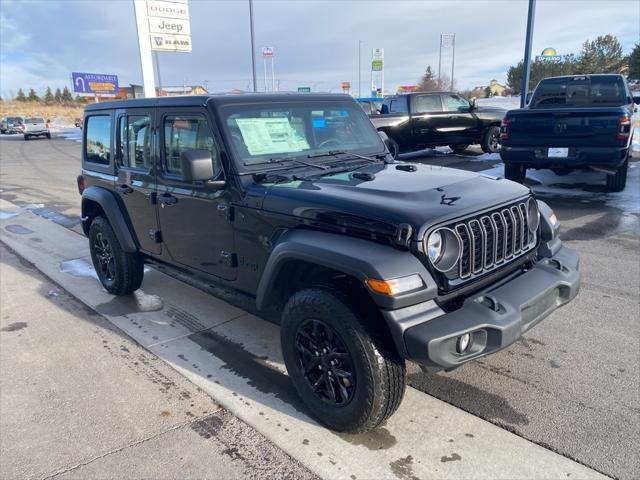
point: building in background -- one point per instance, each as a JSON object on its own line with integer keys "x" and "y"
{"x": 182, "y": 90}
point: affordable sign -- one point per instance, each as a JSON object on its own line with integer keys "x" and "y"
{"x": 95, "y": 83}
{"x": 169, "y": 26}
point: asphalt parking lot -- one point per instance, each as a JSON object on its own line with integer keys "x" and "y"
{"x": 570, "y": 385}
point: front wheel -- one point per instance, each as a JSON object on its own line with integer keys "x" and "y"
{"x": 349, "y": 378}
{"x": 618, "y": 182}
{"x": 459, "y": 149}
{"x": 394, "y": 148}
{"x": 119, "y": 272}
{"x": 516, "y": 173}
{"x": 490, "y": 142}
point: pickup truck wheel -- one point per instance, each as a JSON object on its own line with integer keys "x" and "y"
{"x": 394, "y": 148}
{"x": 459, "y": 149}
{"x": 617, "y": 182}
{"x": 490, "y": 142}
{"x": 119, "y": 272}
{"x": 516, "y": 173}
{"x": 349, "y": 378}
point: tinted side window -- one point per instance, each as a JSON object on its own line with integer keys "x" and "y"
{"x": 188, "y": 132}
{"x": 456, "y": 103}
{"x": 428, "y": 103}
{"x": 399, "y": 105}
{"x": 98, "y": 145}
{"x": 135, "y": 141}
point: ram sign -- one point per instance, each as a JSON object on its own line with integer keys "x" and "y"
{"x": 95, "y": 84}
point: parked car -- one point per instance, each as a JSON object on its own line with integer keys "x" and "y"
{"x": 572, "y": 122}
{"x": 35, "y": 127}
{"x": 430, "y": 119}
{"x": 371, "y": 105}
{"x": 11, "y": 124}
{"x": 292, "y": 202}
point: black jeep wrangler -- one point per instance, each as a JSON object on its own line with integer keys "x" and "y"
{"x": 295, "y": 201}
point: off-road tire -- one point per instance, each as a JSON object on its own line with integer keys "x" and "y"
{"x": 380, "y": 373}
{"x": 618, "y": 182}
{"x": 490, "y": 142}
{"x": 128, "y": 267}
{"x": 515, "y": 172}
{"x": 459, "y": 149}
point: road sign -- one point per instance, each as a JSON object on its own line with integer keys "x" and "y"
{"x": 346, "y": 85}
{"x": 95, "y": 83}
{"x": 304, "y": 89}
{"x": 267, "y": 52}
{"x": 169, "y": 26}
{"x": 377, "y": 59}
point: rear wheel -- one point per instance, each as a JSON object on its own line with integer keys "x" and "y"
{"x": 119, "y": 272}
{"x": 394, "y": 148}
{"x": 516, "y": 173}
{"x": 348, "y": 376}
{"x": 490, "y": 142}
{"x": 459, "y": 149}
{"x": 617, "y": 182}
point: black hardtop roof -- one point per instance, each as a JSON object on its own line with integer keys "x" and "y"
{"x": 221, "y": 99}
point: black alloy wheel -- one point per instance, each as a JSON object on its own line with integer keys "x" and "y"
{"x": 104, "y": 255}
{"x": 325, "y": 363}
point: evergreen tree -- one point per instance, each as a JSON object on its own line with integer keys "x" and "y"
{"x": 428, "y": 82}
{"x": 634, "y": 63}
{"x": 66, "y": 96}
{"x": 33, "y": 96}
{"x": 20, "y": 97}
{"x": 48, "y": 96}
{"x": 57, "y": 97}
{"x": 602, "y": 55}
{"x": 487, "y": 92}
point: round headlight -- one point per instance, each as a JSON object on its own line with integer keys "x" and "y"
{"x": 434, "y": 247}
{"x": 443, "y": 249}
{"x": 533, "y": 215}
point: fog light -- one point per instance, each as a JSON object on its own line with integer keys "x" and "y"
{"x": 464, "y": 342}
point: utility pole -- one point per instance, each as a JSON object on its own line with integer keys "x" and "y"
{"x": 253, "y": 47}
{"x": 453, "y": 58}
{"x": 440, "y": 61}
{"x": 359, "y": 69}
{"x": 524, "y": 89}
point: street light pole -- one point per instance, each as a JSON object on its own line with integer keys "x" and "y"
{"x": 359, "y": 69}
{"x": 253, "y": 47}
{"x": 453, "y": 58}
{"x": 526, "y": 71}
{"x": 440, "y": 61}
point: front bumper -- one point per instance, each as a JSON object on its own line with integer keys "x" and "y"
{"x": 582, "y": 157}
{"x": 495, "y": 317}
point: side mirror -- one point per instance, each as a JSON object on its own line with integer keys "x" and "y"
{"x": 196, "y": 165}
{"x": 474, "y": 103}
{"x": 527, "y": 99}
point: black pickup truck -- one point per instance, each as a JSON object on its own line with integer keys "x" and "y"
{"x": 572, "y": 122}
{"x": 433, "y": 119}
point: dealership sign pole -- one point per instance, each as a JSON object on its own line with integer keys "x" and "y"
{"x": 146, "y": 61}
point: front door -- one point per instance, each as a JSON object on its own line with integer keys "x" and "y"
{"x": 463, "y": 125}
{"x": 427, "y": 120}
{"x": 195, "y": 220}
{"x": 136, "y": 151}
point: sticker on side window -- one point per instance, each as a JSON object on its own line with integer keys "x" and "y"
{"x": 270, "y": 135}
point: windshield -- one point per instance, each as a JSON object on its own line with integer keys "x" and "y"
{"x": 14, "y": 119}
{"x": 34, "y": 120}
{"x": 579, "y": 92}
{"x": 281, "y": 130}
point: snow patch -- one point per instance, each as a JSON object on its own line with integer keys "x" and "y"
{"x": 78, "y": 268}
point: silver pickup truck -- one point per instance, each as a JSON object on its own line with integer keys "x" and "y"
{"x": 35, "y": 127}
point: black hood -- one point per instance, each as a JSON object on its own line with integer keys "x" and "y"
{"x": 420, "y": 198}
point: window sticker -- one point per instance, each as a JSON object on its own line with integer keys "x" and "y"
{"x": 270, "y": 135}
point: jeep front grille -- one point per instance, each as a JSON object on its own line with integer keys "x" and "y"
{"x": 493, "y": 239}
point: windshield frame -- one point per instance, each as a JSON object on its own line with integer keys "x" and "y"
{"x": 224, "y": 111}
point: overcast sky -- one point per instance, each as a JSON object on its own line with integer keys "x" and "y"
{"x": 315, "y": 42}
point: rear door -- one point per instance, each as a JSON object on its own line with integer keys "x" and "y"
{"x": 461, "y": 125}
{"x": 427, "y": 120}
{"x": 136, "y": 154}
{"x": 195, "y": 220}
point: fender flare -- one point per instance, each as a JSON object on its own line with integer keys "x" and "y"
{"x": 358, "y": 258}
{"x": 118, "y": 219}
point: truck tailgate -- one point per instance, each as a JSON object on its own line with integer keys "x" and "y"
{"x": 575, "y": 127}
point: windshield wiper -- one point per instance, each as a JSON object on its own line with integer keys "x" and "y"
{"x": 335, "y": 153}
{"x": 282, "y": 160}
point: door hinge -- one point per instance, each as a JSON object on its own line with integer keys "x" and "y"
{"x": 225, "y": 211}
{"x": 156, "y": 235}
{"x": 229, "y": 259}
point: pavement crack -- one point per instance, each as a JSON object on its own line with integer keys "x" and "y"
{"x": 173, "y": 428}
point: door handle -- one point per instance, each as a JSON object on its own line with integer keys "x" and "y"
{"x": 167, "y": 199}
{"x": 124, "y": 189}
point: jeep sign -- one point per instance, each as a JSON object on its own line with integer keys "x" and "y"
{"x": 169, "y": 27}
